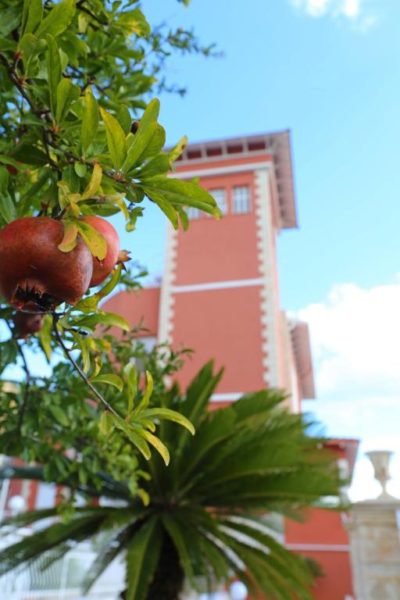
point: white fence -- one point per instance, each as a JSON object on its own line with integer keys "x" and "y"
{"x": 50, "y": 579}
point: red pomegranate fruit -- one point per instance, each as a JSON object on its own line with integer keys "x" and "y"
{"x": 34, "y": 274}
{"x": 102, "y": 268}
{"x": 27, "y": 323}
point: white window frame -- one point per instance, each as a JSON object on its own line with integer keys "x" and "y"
{"x": 241, "y": 199}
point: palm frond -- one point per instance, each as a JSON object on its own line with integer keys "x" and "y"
{"x": 141, "y": 558}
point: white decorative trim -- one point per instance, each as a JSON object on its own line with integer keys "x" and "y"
{"x": 222, "y": 170}
{"x": 166, "y": 312}
{"x": 319, "y": 547}
{"x": 217, "y": 285}
{"x": 268, "y": 298}
{"x": 227, "y": 397}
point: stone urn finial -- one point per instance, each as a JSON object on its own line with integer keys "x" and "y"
{"x": 380, "y": 460}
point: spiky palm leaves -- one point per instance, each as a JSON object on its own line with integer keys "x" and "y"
{"x": 204, "y": 521}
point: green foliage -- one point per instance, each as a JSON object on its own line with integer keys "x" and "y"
{"x": 75, "y": 75}
{"x": 51, "y": 421}
{"x": 212, "y": 513}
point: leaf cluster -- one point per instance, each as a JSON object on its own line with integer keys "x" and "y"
{"x": 214, "y": 506}
{"x": 79, "y": 137}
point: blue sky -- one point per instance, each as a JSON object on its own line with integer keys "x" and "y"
{"x": 329, "y": 70}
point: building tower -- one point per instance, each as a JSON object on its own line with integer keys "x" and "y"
{"x": 220, "y": 288}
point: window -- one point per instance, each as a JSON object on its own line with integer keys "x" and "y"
{"x": 193, "y": 213}
{"x": 241, "y": 199}
{"x": 219, "y": 196}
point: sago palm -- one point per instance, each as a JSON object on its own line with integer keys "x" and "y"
{"x": 205, "y": 521}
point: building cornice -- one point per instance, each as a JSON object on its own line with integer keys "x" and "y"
{"x": 277, "y": 144}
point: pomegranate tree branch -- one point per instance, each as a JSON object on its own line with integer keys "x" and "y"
{"x": 78, "y": 369}
{"x": 19, "y": 84}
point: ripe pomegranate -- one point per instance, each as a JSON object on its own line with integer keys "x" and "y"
{"x": 27, "y": 323}
{"x": 34, "y": 274}
{"x": 102, "y": 268}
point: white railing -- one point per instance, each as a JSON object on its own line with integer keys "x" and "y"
{"x": 62, "y": 578}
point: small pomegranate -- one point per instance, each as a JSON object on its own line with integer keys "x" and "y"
{"x": 12, "y": 170}
{"x": 102, "y": 268}
{"x": 34, "y": 274}
{"x": 27, "y": 323}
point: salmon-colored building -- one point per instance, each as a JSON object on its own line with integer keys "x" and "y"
{"x": 220, "y": 296}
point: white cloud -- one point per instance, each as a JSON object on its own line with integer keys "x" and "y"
{"x": 355, "y": 338}
{"x": 354, "y": 11}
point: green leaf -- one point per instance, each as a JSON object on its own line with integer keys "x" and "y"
{"x": 53, "y": 71}
{"x": 80, "y": 169}
{"x": 110, "y": 379}
{"x": 93, "y": 239}
{"x": 156, "y": 143}
{"x": 45, "y": 336}
{"x": 177, "y": 150}
{"x": 58, "y": 19}
{"x": 115, "y": 320}
{"x": 156, "y": 166}
{"x": 106, "y": 423}
{"x": 170, "y": 415}
{"x": 115, "y": 139}
{"x": 67, "y": 93}
{"x": 142, "y": 557}
{"x": 147, "y": 393}
{"x": 130, "y": 375}
{"x": 124, "y": 118}
{"x": 90, "y": 119}
{"x": 94, "y": 183}
{"x": 7, "y": 208}
{"x": 81, "y": 343}
{"x": 177, "y": 191}
{"x": 31, "y": 155}
{"x": 28, "y": 46}
{"x": 89, "y": 304}
{"x": 105, "y": 319}
{"x": 70, "y": 238}
{"x": 133, "y": 436}
{"x": 157, "y": 444}
{"x": 59, "y": 415}
{"x": 158, "y": 198}
{"x": 134, "y": 21}
{"x": 111, "y": 283}
{"x": 148, "y": 128}
{"x": 31, "y": 15}
{"x": 4, "y": 178}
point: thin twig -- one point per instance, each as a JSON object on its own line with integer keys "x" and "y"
{"x": 28, "y": 381}
{"x": 78, "y": 369}
{"x": 25, "y": 398}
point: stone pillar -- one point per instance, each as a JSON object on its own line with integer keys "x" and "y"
{"x": 373, "y": 527}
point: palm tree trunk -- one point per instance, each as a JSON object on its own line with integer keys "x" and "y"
{"x": 168, "y": 578}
